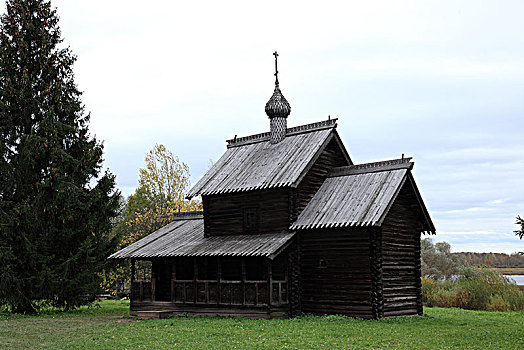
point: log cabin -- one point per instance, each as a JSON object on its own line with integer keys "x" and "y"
{"x": 289, "y": 226}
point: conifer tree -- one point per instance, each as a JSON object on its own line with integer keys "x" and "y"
{"x": 55, "y": 205}
{"x": 520, "y": 232}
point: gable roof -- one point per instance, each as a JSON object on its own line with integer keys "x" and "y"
{"x": 359, "y": 195}
{"x": 252, "y": 162}
{"x": 185, "y": 237}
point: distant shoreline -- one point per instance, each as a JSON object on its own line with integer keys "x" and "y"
{"x": 508, "y": 270}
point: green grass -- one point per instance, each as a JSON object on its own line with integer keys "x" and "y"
{"x": 96, "y": 328}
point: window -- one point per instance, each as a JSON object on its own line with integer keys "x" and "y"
{"x": 250, "y": 219}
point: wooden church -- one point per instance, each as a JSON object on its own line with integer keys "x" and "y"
{"x": 289, "y": 226}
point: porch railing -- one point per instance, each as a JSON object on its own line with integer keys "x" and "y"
{"x": 214, "y": 292}
{"x": 141, "y": 291}
{"x": 228, "y": 292}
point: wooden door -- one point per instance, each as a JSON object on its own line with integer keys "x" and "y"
{"x": 163, "y": 280}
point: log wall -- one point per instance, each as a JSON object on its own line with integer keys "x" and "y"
{"x": 401, "y": 256}
{"x": 294, "y": 279}
{"x": 331, "y": 157}
{"x": 336, "y": 272}
{"x": 225, "y": 214}
{"x": 377, "y": 286}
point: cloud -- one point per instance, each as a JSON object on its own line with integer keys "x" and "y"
{"x": 441, "y": 81}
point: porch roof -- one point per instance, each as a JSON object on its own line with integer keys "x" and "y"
{"x": 185, "y": 237}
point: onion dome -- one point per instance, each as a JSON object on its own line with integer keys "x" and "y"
{"x": 277, "y": 109}
{"x": 277, "y": 106}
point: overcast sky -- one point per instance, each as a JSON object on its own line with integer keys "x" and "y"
{"x": 441, "y": 81}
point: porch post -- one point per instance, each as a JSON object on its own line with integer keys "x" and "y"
{"x": 153, "y": 280}
{"x": 270, "y": 279}
{"x": 132, "y": 280}
{"x": 132, "y": 270}
{"x": 219, "y": 280}
{"x": 173, "y": 278}
{"x": 195, "y": 275}
{"x": 243, "y": 281}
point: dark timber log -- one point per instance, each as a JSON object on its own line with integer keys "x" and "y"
{"x": 265, "y": 211}
{"x": 295, "y": 288}
{"x": 377, "y": 297}
{"x": 401, "y": 256}
{"x": 336, "y": 272}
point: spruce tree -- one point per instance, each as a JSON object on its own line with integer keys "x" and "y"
{"x": 56, "y": 206}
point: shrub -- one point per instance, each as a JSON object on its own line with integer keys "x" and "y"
{"x": 497, "y": 303}
{"x": 475, "y": 289}
{"x": 428, "y": 287}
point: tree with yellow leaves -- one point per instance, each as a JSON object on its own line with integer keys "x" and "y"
{"x": 163, "y": 184}
{"x": 165, "y": 178}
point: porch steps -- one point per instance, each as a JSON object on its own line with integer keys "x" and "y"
{"x": 157, "y": 314}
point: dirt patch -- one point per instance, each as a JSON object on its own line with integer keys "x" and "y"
{"x": 127, "y": 320}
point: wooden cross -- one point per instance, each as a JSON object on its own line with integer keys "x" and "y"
{"x": 276, "y": 69}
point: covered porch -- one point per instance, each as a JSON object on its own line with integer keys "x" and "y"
{"x": 239, "y": 286}
{"x": 176, "y": 269}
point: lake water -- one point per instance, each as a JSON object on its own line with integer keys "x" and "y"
{"x": 517, "y": 278}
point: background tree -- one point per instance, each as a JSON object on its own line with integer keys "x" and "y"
{"x": 163, "y": 184}
{"x": 164, "y": 179}
{"x": 520, "y": 232}
{"x": 55, "y": 207}
{"x": 498, "y": 260}
{"x": 437, "y": 261}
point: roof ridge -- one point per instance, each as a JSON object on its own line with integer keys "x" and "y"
{"x": 324, "y": 124}
{"x": 188, "y": 215}
{"x": 301, "y": 129}
{"x": 373, "y": 167}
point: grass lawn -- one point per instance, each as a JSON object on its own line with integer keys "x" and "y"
{"x": 109, "y": 327}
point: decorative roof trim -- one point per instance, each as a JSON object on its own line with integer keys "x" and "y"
{"x": 365, "y": 168}
{"x": 432, "y": 228}
{"x": 188, "y": 215}
{"x": 301, "y": 129}
{"x": 342, "y": 147}
{"x": 296, "y": 130}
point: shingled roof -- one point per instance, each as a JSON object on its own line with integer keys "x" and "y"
{"x": 359, "y": 195}
{"x": 185, "y": 237}
{"x": 252, "y": 162}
